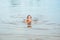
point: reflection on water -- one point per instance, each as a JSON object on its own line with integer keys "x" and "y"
{"x": 29, "y": 26}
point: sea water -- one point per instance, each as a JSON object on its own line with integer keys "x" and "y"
{"x": 13, "y": 13}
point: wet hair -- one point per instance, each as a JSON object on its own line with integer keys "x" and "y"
{"x": 28, "y": 16}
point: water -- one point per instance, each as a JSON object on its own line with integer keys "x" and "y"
{"x": 45, "y": 15}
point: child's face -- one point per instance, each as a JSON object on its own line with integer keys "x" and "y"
{"x": 29, "y": 17}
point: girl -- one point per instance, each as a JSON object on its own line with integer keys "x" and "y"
{"x": 28, "y": 20}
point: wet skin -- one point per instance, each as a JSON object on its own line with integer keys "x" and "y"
{"x": 28, "y": 21}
